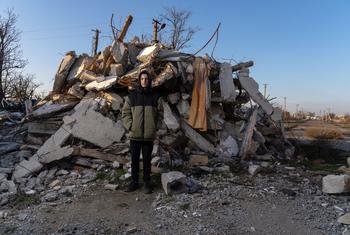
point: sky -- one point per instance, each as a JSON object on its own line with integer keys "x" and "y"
{"x": 301, "y": 49}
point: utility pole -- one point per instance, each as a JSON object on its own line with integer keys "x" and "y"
{"x": 155, "y": 30}
{"x": 265, "y": 86}
{"x": 285, "y": 108}
{"x": 95, "y": 41}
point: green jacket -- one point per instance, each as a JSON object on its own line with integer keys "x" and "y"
{"x": 139, "y": 114}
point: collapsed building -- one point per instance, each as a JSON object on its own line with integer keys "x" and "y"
{"x": 214, "y": 113}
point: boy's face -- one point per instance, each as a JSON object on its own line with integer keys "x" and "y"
{"x": 144, "y": 80}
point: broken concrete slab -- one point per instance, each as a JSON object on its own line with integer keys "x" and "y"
{"x": 197, "y": 138}
{"x": 63, "y": 70}
{"x": 174, "y": 182}
{"x": 252, "y": 87}
{"x": 334, "y": 184}
{"x": 50, "y": 108}
{"x": 227, "y": 87}
{"x": 247, "y": 140}
{"x": 101, "y": 83}
{"x": 169, "y": 118}
{"x": 97, "y": 129}
{"x": 26, "y": 167}
{"x": 51, "y": 150}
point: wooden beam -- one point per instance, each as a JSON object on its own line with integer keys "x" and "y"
{"x": 125, "y": 28}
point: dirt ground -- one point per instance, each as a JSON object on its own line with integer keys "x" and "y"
{"x": 286, "y": 201}
{"x": 298, "y": 129}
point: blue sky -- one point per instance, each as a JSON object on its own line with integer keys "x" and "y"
{"x": 300, "y": 48}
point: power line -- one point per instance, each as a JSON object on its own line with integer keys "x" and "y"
{"x": 57, "y": 28}
{"x": 55, "y": 37}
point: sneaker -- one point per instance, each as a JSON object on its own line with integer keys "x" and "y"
{"x": 132, "y": 187}
{"x": 148, "y": 188}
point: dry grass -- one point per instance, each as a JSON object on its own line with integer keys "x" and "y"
{"x": 323, "y": 133}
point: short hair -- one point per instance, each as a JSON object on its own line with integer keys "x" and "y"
{"x": 144, "y": 72}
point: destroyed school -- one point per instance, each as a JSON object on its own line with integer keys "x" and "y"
{"x": 214, "y": 121}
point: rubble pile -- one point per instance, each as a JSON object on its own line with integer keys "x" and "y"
{"x": 213, "y": 114}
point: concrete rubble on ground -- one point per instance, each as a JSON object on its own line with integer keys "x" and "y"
{"x": 214, "y": 115}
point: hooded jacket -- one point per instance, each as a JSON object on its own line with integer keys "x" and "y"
{"x": 140, "y": 113}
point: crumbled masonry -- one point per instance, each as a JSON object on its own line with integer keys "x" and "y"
{"x": 207, "y": 117}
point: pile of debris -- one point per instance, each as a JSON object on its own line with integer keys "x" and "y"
{"x": 213, "y": 114}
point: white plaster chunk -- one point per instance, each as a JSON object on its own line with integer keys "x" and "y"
{"x": 148, "y": 52}
{"x": 99, "y": 85}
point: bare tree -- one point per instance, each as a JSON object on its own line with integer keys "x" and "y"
{"x": 10, "y": 51}
{"x": 22, "y": 87}
{"x": 178, "y": 33}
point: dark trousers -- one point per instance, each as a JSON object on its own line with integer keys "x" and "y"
{"x": 135, "y": 149}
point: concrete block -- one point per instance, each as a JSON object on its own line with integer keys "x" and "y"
{"x": 174, "y": 182}
{"x": 333, "y": 184}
